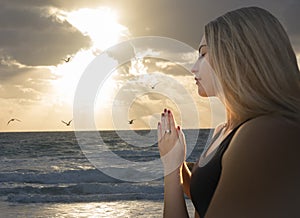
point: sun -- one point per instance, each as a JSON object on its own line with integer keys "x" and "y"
{"x": 100, "y": 24}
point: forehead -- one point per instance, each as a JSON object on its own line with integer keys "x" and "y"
{"x": 202, "y": 43}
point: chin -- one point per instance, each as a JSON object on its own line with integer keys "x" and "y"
{"x": 202, "y": 93}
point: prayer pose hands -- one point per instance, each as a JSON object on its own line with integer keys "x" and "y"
{"x": 171, "y": 143}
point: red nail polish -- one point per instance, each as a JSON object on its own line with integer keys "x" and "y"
{"x": 178, "y": 127}
{"x": 165, "y": 110}
{"x": 162, "y": 114}
{"x": 169, "y": 111}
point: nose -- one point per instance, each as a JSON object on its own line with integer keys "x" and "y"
{"x": 195, "y": 68}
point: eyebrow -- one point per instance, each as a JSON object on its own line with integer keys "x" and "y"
{"x": 201, "y": 47}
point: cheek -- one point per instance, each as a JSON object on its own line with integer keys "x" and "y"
{"x": 206, "y": 84}
{"x": 207, "y": 78}
{"x": 203, "y": 66}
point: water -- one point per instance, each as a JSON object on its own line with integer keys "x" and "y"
{"x": 47, "y": 174}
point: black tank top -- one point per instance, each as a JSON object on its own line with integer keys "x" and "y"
{"x": 206, "y": 174}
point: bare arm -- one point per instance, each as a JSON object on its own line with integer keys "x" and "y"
{"x": 174, "y": 202}
{"x": 260, "y": 175}
{"x": 186, "y": 179}
{"x": 172, "y": 148}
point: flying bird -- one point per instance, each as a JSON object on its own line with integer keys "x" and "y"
{"x": 67, "y": 60}
{"x": 67, "y": 123}
{"x": 131, "y": 121}
{"x": 153, "y": 86}
{"x": 13, "y": 119}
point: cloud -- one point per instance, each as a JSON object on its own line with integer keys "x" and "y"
{"x": 33, "y": 36}
{"x": 149, "y": 71}
{"x": 28, "y": 84}
{"x": 49, "y": 40}
{"x": 182, "y": 20}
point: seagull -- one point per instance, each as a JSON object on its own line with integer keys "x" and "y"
{"x": 153, "y": 86}
{"x": 67, "y": 60}
{"x": 67, "y": 123}
{"x": 13, "y": 119}
{"x": 131, "y": 121}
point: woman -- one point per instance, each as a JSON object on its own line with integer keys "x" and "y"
{"x": 251, "y": 168}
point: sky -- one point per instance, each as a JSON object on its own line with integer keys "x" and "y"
{"x": 37, "y": 86}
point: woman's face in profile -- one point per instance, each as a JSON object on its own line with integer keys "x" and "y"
{"x": 204, "y": 74}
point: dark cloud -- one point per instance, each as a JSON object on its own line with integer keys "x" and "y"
{"x": 33, "y": 37}
{"x": 182, "y": 20}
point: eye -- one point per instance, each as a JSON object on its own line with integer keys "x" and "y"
{"x": 201, "y": 55}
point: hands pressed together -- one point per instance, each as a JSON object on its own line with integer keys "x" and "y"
{"x": 171, "y": 143}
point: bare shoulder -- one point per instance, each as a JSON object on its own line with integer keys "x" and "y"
{"x": 270, "y": 122}
{"x": 273, "y": 136}
{"x": 269, "y": 131}
{"x": 260, "y": 168}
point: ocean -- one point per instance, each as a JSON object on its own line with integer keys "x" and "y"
{"x": 69, "y": 174}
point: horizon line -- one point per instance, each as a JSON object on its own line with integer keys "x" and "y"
{"x": 89, "y": 130}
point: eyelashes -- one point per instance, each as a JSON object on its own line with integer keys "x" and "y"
{"x": 201, "y": 55}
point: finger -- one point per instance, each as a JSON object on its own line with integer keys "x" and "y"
{"x": 159, "y": 132}
{"x": 171, "y": 120}
{"x": 181, "y": 135}
{"x": 167, "y": 121}
{"x": 166, "y": 127}
{"x": 181, "y": 139}
{"x": 163, "y": 122}
{"x": 165, "y": 113}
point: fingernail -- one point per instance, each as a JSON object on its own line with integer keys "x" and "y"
{"x": 178, "y": 127}
{"x": 169, "y": 111}
{"x": 158, "y": 123}
{"x": 162, "y": 114}
{"x": 165, "y": 110}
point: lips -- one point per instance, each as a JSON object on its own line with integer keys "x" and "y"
{"x": 197, "y": 79}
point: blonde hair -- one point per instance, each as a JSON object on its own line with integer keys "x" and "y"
{"x": 254, "y": 61}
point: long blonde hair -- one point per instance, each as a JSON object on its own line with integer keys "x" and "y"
{"x": 254, "y": 61}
